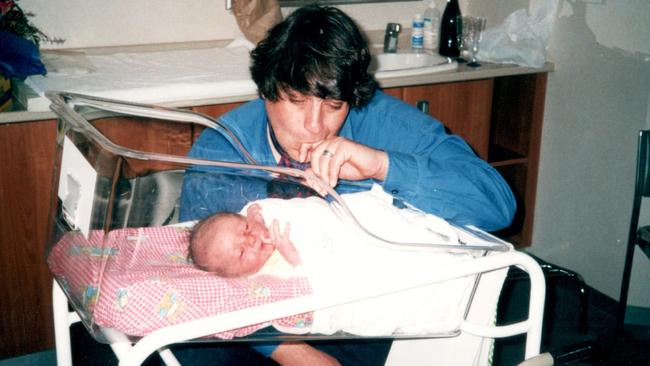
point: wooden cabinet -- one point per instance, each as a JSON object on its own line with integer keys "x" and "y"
{"x": 501, "y": 119}
{"x": 213, "y": 111}
{"x": 464, "y": 108}
{"x": 515, "y": 136}
{"x": 27, "y": 160}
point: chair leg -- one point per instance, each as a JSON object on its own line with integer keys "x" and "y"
{"x": 584, "y": 304}
{"x": 625, "y": 286}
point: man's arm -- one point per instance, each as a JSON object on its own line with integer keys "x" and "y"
{"x": 432, "y": 170}
{"x": 300, "y": 354}
{"x": 462, "y": 189}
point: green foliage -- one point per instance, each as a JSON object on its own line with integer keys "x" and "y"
{"x": 15, "y": 20}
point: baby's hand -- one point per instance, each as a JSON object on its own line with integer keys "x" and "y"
{"x": 283, "y": 244}
{"x": 254, "y": 212}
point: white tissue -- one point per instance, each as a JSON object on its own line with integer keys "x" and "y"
{"x": 521, "y": 39}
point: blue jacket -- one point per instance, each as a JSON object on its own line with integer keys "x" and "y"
{"x": 428, "y": 168}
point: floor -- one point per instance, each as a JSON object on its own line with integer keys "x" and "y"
{"x": 597, "y": 345}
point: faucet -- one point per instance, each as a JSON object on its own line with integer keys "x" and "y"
{"x": 390, "y": 38}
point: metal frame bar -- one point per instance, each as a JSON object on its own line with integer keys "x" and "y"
{"x": 134, "y": 354}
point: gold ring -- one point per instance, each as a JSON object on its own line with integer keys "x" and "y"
{"x": 328, "y": 154}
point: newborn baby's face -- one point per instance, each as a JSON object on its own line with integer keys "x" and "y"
{"x": 243, "y": 248}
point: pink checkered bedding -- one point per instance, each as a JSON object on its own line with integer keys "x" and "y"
{"x": 148, "y": 283}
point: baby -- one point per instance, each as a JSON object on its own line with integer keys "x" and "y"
{"x": 342, "y": 263}
{"x": 234, "y": 245}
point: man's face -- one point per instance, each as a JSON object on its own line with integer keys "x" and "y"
{"x": 301, "y": 122}
{"x": 241, "y": 245}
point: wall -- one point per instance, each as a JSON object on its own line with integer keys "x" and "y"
{"x": 598, "y": 98}
{"x": 96, "y": 23}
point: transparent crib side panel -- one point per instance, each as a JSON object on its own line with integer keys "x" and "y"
{"x": 124, "y": 196}
{"x": 98, "y": 191}
{"x": 118, "y": 241}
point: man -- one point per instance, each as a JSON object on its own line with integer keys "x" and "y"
{"x": 320, "y": 110}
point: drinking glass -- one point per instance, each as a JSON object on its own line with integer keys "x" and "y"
{"x": 471, "y": 39}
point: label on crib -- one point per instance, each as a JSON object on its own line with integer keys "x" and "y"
{"x": 76, "y": 187}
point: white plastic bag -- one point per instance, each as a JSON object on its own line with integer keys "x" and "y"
{"x": 521, "y": 39}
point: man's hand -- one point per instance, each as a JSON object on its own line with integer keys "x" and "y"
{"x": 339, "y": 158}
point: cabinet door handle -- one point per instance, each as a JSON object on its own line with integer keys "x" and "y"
{"x": 423, "y": 106}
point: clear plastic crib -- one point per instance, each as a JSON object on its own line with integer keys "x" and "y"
{"x": 119, "y": 254}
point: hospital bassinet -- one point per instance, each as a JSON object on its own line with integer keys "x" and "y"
{"x": 119, "y": 257}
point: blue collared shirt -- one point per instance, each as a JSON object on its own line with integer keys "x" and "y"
{"x": 428, "y": 168}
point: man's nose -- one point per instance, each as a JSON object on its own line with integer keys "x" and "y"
{"x": 314, "y": 117}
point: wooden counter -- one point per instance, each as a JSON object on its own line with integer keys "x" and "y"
{"x": 463, "y": 73}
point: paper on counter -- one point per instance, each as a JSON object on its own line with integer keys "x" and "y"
{"x": 147, "y": 77}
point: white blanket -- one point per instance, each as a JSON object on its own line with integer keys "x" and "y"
{"x": 335, "y": 253}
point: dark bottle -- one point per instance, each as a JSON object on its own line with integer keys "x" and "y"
{"x": 451, "y": 26}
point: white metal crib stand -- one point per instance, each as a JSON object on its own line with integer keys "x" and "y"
{"x": 135, "y": 353}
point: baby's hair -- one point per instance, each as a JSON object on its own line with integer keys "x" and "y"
{"x": 200, "y": 238}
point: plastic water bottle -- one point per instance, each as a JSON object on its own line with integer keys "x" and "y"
{"x": 417, "y": 33}
{"x": 451, "y": 27}
{"x": 431, "y": 26}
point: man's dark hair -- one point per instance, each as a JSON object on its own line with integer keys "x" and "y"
{"x": 316, "y": 51}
